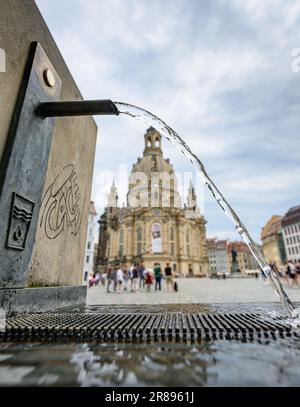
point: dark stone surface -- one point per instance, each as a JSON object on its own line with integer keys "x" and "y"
{"x": 22, "y": 171}
{"x": 41, "y": 299}
{"x": 55, "y": 261}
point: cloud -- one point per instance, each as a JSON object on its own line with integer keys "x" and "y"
{"x": 219, "y": 72}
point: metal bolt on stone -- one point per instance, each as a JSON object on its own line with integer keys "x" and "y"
{"x": 49, "y": 78}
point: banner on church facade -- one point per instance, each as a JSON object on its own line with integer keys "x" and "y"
{"x": 156, "y": 238}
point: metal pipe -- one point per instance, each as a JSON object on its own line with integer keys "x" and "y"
{"x": 77, "y": 108}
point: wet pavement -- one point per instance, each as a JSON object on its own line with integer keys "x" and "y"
{"x": 218, "y": 363}
{"x": 163, "y": 363}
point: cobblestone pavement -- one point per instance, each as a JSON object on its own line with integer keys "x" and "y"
{"x": 195, "y": 291}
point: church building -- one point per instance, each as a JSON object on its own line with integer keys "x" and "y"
{"x": 154, "y": 226}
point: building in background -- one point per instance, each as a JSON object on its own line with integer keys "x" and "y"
{"x": 217, "y": 255}
{"x": 272, "y": 241}
{"x": 91, "y": 241}
{"x": 211, "y": 252}
{"x": 244, "y": 258}
{"x": 153, "y": 227}
{"x": 291, "y": 233}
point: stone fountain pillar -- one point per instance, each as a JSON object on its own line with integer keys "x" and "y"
{"x": 45, "y": 204}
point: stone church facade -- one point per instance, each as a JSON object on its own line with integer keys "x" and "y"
{"x": 153, "y": 226}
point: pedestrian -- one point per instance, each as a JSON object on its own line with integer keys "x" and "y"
{"x": 141, "y": 276}
{"x": 297, "y": 266}
{"x": 109, "y": 279}
{"x": 120, "y": 280}
{"x": 281, "y": 272}
{"x": 91, "y": 280}
{"x": 158, "y": 275}
{"x": 135, "y": 276}
{"x": 94, "y": 280}
{"x": 102, "y": 279}
{"x": 114, "y": 279}
{"x": 263, "y": 276}
{"x": 275, "y": 268}
{"x": 148, "y": 280}
{"x": 292, "y": 273}
{"x": 169, "y": 278}
{"x": 125, "y": 277}
{"x": 130, "y": 276}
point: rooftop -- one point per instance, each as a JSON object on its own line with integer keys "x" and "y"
{"x": 292, "y": 216}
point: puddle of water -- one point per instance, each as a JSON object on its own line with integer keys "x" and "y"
{"x": 219, "y": 363}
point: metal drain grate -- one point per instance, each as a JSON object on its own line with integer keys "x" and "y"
{"x": 103, "y": 327}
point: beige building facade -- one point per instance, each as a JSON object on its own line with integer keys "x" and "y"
{"x": 153, "y": 226}
{"x": 272, "y": 241}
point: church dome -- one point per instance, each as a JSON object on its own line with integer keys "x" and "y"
{"x": 153, "y": 171}
{"x": 153, "y": 160}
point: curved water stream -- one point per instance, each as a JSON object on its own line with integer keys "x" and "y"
{"x": 166, "y": 131}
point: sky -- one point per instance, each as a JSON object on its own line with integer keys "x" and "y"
{"x": 225, "y": 74}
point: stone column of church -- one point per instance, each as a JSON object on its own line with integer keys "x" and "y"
{"x": 148, "y": 247}
{"x": 165, "y": 239}
{"x": 117, "y": 243}
{"x": 128, "y": 238}
{"x": 113, "y": 250}
{"x": 180, "y": 246}
{"x": 129, "y": 242}
{"x": 204, "y": 256}
{"x": 133, "y": 238}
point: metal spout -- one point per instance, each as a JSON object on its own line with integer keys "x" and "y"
{"x": 77, "y": 108}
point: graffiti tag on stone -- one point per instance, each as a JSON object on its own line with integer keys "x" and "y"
{"x": 62, "y": 205}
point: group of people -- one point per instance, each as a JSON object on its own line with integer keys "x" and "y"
{"x": 289, "y": 273}
{"x": 136, "y": 278}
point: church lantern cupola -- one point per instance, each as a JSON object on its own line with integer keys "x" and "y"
{"x": 152, "y": 142}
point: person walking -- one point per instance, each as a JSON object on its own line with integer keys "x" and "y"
{"x": 114, "y": 278}
{"x": 129, "y": 275}
{"x": 158, "y": 275}
{"x": 109, "y": 279}
{"x": 297, "y": 267}
{"x": 135, "y": 276}
{"x": 169, "y": 278}
{"x": 292, "y": 273}
{"x": 120, "y": 280}
{"x": 141, "y": 276}
{"x": 148, "y": 280}
{"x": 125, "y": 277}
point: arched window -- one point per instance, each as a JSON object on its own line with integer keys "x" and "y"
{"x": 139, "y": 240}
{"x": 157, "y": 142}
{"x": 121, "y": 243}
